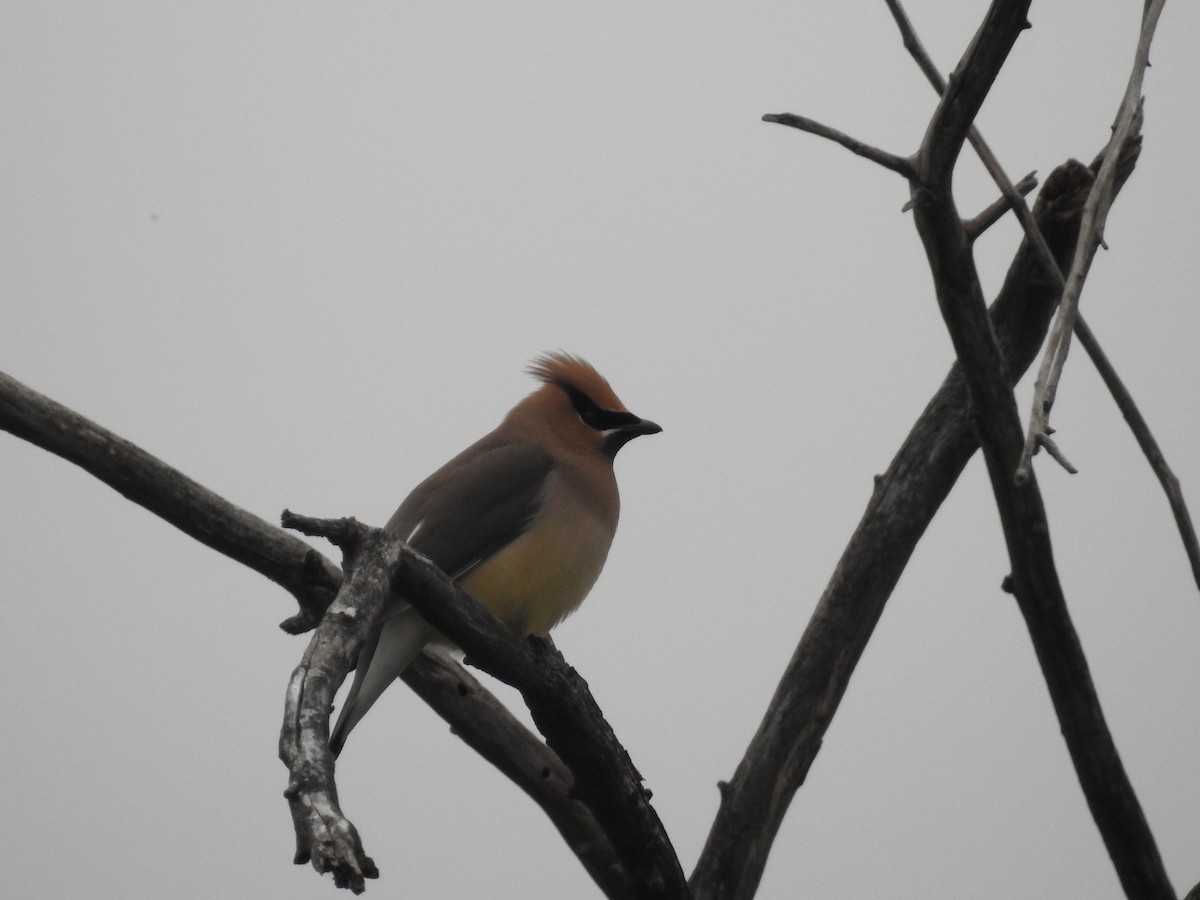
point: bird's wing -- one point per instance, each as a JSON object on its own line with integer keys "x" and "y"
{"x": 390, "y": 646}
{"x": 470, "y": 509}
{"x": 474, "y": 506}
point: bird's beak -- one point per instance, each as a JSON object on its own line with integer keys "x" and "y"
{"x": 642, "y": 426}
{"x": 617, "y": 437}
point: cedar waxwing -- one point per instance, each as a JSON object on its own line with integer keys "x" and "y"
{"x": 522, "y": 520}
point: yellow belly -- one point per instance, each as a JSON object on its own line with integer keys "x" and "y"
{"x": 542, "y": 577}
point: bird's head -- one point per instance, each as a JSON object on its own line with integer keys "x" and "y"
{"x": 580, "y": 406}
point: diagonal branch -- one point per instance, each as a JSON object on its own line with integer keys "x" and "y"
{"x": 912, "y": 43}
{"x": 905, "y": 500}
{"x": 171, "y": 495}
{"x": 566, "y": 713}
{"x": 1095, "y": 214}
{"x": 558, "y": 699}
{"x": 779, "y": 756}
{"x": 888, "y": 160}
{"x": 1110, "y": 796}
{"x": 1141, "y": 431}
{"x": 990, "y": 216}
{"x": 311, "y": 577}
{"x": 1120, "y": 394}
{"x": 967, "y": 88}
{"x": 1034, "y": 580}
{"x": 483, "y": 722}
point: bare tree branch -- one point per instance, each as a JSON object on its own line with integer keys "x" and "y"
{"x": 464, "y": 703}
{"x": 912, "y": 43}
{"x": 558, "y": 699}
{"x": 1145, "y": 439}
{"x": 565, "y": 712}
{"x": 887, "y": 160}
{"x": 1120, "y": 394}
{"x": 905, "y": 500}
{"x": 774, "y": 765}
{"x": 990, "y": 216}
{"x": 324, "y": 835}
{"x": 1034, "y": 580}
{"x": 171, "y": 495}
{"x": 311, "y": 577}
{"x": 967, "y": 87}
{"x": 1094, "y": 215}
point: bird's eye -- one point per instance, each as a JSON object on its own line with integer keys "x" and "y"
{"x": 592, "y": 418}
{"x": 596, "y": 418}
{"x": 589, "y": 413}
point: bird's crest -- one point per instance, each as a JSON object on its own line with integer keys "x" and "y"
{"x": 571, "y": 373}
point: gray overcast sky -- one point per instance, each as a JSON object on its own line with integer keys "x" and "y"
{"x": 303, "y": 252}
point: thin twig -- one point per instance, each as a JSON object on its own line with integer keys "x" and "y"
{"x": 899, "y": 164}
{"x": 912, "y": 43}
{"x": 1045, "y": 442}
{"x": 1091, "y": 233}
{"x": 1120, "y": 394}
{"x": 953, "y": 121}
{"x": 993, "y": 213}
{"x": 991, "y": 163}
{"x": 1141, "y": 431}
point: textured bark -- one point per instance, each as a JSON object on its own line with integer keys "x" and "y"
{"x": 598, "y": 803}
{"x": 324, "y": 836}
{"x": 563, "y": 708}
{"x": 905, "y": 499}
{"x": 314, "y": 580}
{"x": 171, "y": 495}
{"x": 1034, "y": 579}
{"x": 463, "y": 703}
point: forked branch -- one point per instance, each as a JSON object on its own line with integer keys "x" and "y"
{"x": 1120, "y": 394}
{"x": 1034, "y": 579}
{"x": 324, "y": 836}
{"x": 558, "y": 699}
{"x": 905, "y": 500}
{"x": 1091, "y": 234}
{"x": 314, "y": 581}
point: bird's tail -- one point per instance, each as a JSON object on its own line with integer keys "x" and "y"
{"x": 388, "y": 650}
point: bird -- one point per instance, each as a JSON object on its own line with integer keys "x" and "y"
{"x": 522, "y": 520}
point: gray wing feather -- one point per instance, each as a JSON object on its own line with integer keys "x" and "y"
{"x": 470, "y": 509}
{"x": 475, "y": 505}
